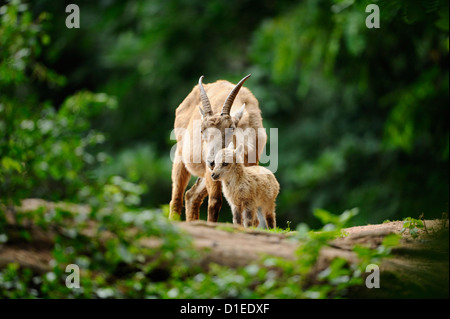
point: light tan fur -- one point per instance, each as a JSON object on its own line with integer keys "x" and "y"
{"x": 188, "y": 147}
{"x": 246, "y": 189}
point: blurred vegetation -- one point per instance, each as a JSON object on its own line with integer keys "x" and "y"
{"x": 105, "y": 243}
{"x": 86, "y": 115}
{"x": 362, "y": 113}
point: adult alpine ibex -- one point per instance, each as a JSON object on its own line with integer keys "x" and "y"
{"x": 204, "y": 124}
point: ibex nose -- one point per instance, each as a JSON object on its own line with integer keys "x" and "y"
{"x": 213, "y": 175}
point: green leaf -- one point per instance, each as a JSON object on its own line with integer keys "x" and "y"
{"x": 25, "y": 235}
{"x": 391, "y": 240}
{"x": 443, "y": 22}
{"x": 414, "y": 232}
{"x": 302, "y": 231}
{"x": 9, "y": 164}
{"x": 45, "y": 39}
{"x": 345, "y": 217}
{"x": 325, "y": 216}
{"x": 125, "y": 254}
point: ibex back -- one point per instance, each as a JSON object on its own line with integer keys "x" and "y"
{"x": 212, "y": 113}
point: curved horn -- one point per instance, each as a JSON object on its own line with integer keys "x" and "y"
{"x": 230, "y": 99}
{"x": 205, "y": 100}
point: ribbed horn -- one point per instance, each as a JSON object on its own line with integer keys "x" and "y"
{"x": 230, "y": 99}
{"x": 205, "y": 100}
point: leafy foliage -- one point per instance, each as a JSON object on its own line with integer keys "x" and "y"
{"x": 106, "y": 242}
{"x": 45, "y": 152}
{"x": 50, "y": 152}
{"x": 413, "y": 225}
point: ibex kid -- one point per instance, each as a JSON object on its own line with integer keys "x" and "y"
{"x": 246, "y": 189}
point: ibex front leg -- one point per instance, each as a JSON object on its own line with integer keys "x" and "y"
{"x": 250, "y": 216}
{"x": 215, "y": 198}
{"x": 237, "y": 215}
{"x": 180, "y": 179}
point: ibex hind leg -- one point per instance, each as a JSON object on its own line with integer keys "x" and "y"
{"x": 271, "y": 221}
{"x": 269, "y": 215}
{"x": 194, "y": 198}
{"x": 180, "y": 179}
{"x": 261, "y": 219}
{"x": 250, "y": 217}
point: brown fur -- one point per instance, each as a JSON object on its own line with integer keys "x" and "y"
{"x": 185, "y": 116}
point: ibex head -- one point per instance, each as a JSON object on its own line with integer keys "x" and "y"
{"x": 217, "y": 129}
{"x": 226, "y": 159}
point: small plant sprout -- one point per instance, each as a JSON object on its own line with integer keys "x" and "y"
{"x": 413, "y": 225}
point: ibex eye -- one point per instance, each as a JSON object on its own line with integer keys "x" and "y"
{"x": 224, "y": 164}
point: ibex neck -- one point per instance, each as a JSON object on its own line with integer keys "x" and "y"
{"x": 237, "y": 175}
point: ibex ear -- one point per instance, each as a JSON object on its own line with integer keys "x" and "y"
{"x": 238, "y": 115}
{"x": 201, "y": 111}
{"x": 231, "y": 146}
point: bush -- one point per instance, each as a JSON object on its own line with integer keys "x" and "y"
{"x": 44, "y": 151}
